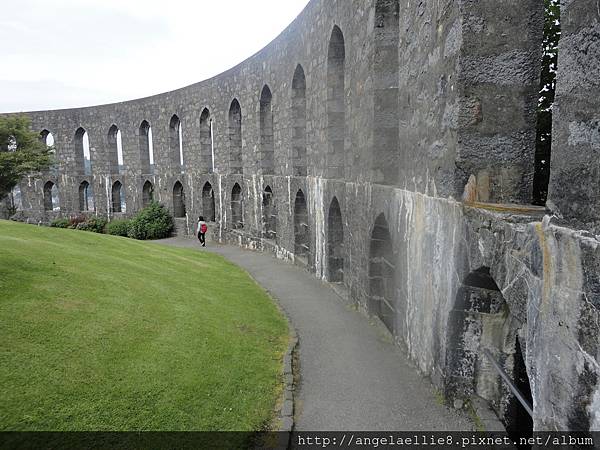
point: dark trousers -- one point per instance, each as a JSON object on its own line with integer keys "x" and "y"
{"x": 202, "y": 239}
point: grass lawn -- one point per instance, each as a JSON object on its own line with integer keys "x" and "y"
{"x": 106, "y": 333}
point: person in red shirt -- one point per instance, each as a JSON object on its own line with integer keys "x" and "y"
{"x": 201, "y": 230}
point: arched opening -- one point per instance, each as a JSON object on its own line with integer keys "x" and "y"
{"x": 47, "y": 138}
{"x": 382, "y": 268}
{"x": 51, "y": 200}
{"x": 86, "y": 198}
{"x": 385, "y": 90}
{"x": 176, "y": 141}
{"x": 269, "y": 211}
{"x": 208, "y": 202}
{"x": 118, "y": 197}
{"x": 266, "y": 131}
{"x": 301, "y": 228}
{"x": 147, "y": 194}
{"x": 178, "y": 200}
{"x": 481, "y": 327}
{"x": 206, "y": 150}
{"x": 237, "y": 221}
{"x": 115, "y": 150}
{"x": 335, "y": 243}
{"x": 336, "y": 106}
{"x": 235, "y": 138}
{"x": 146, "y": 148}
{"x": 82, "y": 152}
{"x": 299, "y": 122}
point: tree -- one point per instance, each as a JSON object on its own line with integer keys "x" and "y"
{"x": 22, "y": 152}
{"x": 546, "y": 100}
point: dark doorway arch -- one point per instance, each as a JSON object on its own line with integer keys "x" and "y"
{"x": 269, "y": 211}
{"x": 86, "y": 202}
{"x": 301, "y": 227}
{"x": 335, "y": 243}
{"x": 299, "y": 122}
{"x": 208, "y": 202}
{"x": 382, "y": 269}
{"x": 147, "y": 193}
{"x": 481, "y": 320}
{"x": 237, "y": 220}
{"x": 51, "y": 202}
{"x": 178, "y": 200}
{"x": 117, "y": 197}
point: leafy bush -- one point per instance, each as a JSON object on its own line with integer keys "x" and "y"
{"x": 61, "y": 222}
{"x": 95, "y": 224}
{"x": 152, "y": 222}
{"x": 75, "y": 221}
{"x": 118, "y": 227}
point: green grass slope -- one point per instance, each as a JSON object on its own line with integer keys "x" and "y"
{"x": 106, "y": 333}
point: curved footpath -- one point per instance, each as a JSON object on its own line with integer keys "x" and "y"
{"x": 351, "y": 376}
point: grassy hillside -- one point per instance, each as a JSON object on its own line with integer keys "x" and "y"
{"x": 106, "y": 333}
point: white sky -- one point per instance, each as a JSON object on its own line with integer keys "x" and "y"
{"x": 69, "y": 53}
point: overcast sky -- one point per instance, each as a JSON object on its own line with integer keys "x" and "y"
{"x": 69, "y": 53}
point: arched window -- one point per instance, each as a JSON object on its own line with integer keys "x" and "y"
{"x": 235, "y": 138}
{"x": 382, "y": 268}
{"x": 147, "y": 193}
{"x": 237, "y": 220}
{"x": 206, "y": 142}
{"x": 385, "y": 78}
{"x": 146, "y": 147}
{"x": 82, "y": 152}
{"x": 178, "y": 200}
{"x": 86, "y": 197}
{"x": 266, "y": 131}
{"x": 335, "y": 242}
{"x": 336, "y": 105}
{"x": 299, "y": 122}
{"x": 269, "y": 215}
{"x": 176, "y": 141}
{"x": 48, "y": 139}
{"x": 118, "y": 197}
{"x": 301, "y": 228}
{"x": 115, "y": 150}
{"x": 51, "y": 199}
{"x": 208, "y": 202}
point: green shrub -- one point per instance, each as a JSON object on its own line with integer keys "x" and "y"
{"x": 61, "y": 222}
{"x": 96, "y": 224}
{"x": 152, "y": 222}
{"x": 118, "y": 227}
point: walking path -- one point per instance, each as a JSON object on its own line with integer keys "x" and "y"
{"x": 351, "y": 376}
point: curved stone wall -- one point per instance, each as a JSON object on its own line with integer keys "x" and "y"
{"x": 345, "y": 145}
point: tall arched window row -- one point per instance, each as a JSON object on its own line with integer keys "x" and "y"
{"x": 208, "y": 202}
{"x": 115, "y": 150}
{"x": 385, "y": 153}
{"x": 206, "y": 142}
{"x": 118, "y": 197}
{"x": 299, "y": 122}
{"x": 146, "y": 148}
{"x": 51, "y": 198}
{"x": 266, "y": 131}
{"x": 48, "y": 138}
{"x": 335, "y": 243}
{"x": 83, "y": 160}
{"x": 176, "y": 141}
{"x": 86, "y": 197}
{"x": 235, "y": 138}
{"x": 301, "y": 228}
{"x": 237, "y": 210}
{"x": 336, "y": 106}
